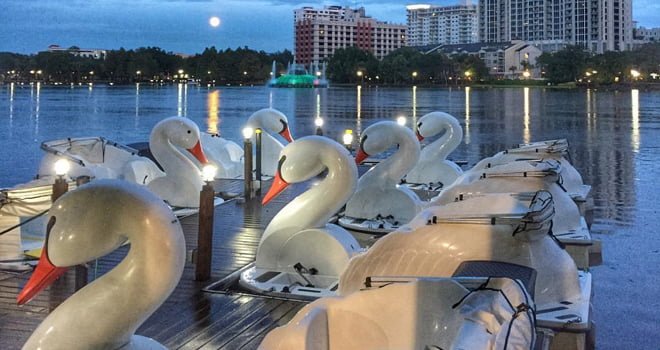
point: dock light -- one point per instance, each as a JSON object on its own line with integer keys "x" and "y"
{"x": 32, "y": 71}
{"x": 247, "y": 133}
{"x": 90, "y": 72}
{"x": 401, "y": 120}
{"x": 414, "y": 74}
{"x": 635, "y": 73}
{"x": 62, "y": 167}
{"x": 180, "y": 71}
{"x": 359, "y": 73}
{"x": 526, "y": 74}
{"x": 39, "y": 71}
{"x": 348, "y": 137}
{"x": 208, "y": 172}
{"x": 318, "y": 122}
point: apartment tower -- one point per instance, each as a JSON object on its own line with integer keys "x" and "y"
{"x": 597, "y": 25}
{"x": 442, "y": 25}
{"x": 319, "y": 32}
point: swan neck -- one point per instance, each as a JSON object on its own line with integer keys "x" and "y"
{"x": 174, "y": 163}
{"x": 313, "y": 208}
{"x": 447, "y": 143}
{"x": 390, "y": 171}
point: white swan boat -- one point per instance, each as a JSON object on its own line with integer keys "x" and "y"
{"x": 433, "y": 171}
{"x": 300, "y": 254}
{"x": 106, "y": 313}
{"x": 379, "y": 205}
{"x": 421, "y": 313}
{"x": 569, "y": 227}
{"x": 100, "y": 158}
{"x": 514, "y": 230}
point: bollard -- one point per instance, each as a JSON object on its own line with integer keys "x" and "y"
{"x": 247, "y": 170}
{"x": 60, "y": 187}
{"x": 257, "y": 136}
{"x": 205, "y": 233}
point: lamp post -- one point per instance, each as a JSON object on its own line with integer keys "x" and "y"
{"x": 319, "y": 125}
{"x": 204, "y": 253}
{"x": 360, "y": 75}
{"x": 247, "y": 162}
{"x": 138, "y": 74}
{"x": 414, "y": 76}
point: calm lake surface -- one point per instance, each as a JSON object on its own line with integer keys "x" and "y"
{"x": 614, "y": 138}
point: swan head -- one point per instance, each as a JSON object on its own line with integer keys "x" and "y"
{"x": 84, "y": 225}
{"x": 300, "y": 161}
{"x": 434, "y": 123}
{"x": 379, "y": 137}
{"x": 272, "y": 121}
{"x": 184, "y": 133}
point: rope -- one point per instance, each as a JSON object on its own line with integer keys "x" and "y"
{"x": 24, "y": 222}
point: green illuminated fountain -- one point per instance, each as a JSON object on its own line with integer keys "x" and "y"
{"x": 298, "y": 77}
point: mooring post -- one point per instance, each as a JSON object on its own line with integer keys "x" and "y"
{"x": 205, "y": 233}
{"x": 257, "y": 137}
{"x": 247, "y": 159}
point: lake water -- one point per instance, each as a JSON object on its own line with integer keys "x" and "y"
{"x": 614, "y": 138}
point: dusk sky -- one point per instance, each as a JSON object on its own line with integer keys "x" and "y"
{"x": 29, "y": 26}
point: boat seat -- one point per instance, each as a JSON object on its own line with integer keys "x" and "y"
{"x": 486, "y": 268}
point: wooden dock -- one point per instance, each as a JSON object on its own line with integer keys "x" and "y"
{"x": 189, "y": 318}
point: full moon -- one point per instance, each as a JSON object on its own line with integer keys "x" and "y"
{"x": 214, "y": 21}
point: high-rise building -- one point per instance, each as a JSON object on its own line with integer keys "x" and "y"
{"x": 597, "y": 25}
{"x": 431, "y": 25}
{"x": 319, "y": 32}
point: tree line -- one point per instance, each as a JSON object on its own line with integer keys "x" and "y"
{"x": 230, "y": 66}
{"x": 573, "y": 64}
{"x": 349, "y": 65}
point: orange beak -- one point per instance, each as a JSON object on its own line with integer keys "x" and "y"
{"x": 198, "y": 153}
{"x": 361, "y": 156}
{"x": 45, "y": 274}
{"x": 419, "y": 136}
{"x": 286, "y": 134}
{"x": 276, "y": 188}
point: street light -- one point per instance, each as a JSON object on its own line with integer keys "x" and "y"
{"x": 360, "y": 74}
{"x": 208, "y": 172}
{"x": 526, "y": 74}
{"x": 348, "y": 138}
{"x": 635, "y": 73}
{"x": 319, "y": 124}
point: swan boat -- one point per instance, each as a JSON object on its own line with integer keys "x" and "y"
{"x": 99, "y": 158}
{"x": 227, "y": 156}
{"x": 487, "y": 228}
{"x": 433, "y": 171}
{"x": 91, "y": 222}
{"x": 300, "y": 254}
{"x": 420, "y": 313}
{"x": 380, "y": 205}
{"x": 558, "y": 150}
{"x": 569, "y": 227}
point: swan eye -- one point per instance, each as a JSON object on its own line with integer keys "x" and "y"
{"x": 279, "y": 165}
{"x": 189, "y": 131}
{"x": 364, "y": 138}
{"x": 419, "y": 125}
